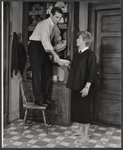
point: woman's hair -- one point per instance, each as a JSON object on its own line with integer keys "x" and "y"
{"x": 87, "y": 37}
{"x": 56, "y": 9}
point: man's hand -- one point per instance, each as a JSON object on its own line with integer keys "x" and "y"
{"x": 69, "y": 65}
{"x": 56, "y": 58}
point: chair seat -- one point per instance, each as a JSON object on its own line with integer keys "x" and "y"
{"x": 31, "y": 105}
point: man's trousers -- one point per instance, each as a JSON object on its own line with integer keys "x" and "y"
{"x": 42, "y": 70}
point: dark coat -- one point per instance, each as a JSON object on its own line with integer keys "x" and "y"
{"x": 18, "y": 57}
{"x": 14, "y": 56}
{"x": 83, "y": 70}
{"x": 21, "y": 57}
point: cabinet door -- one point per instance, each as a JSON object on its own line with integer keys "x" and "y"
{"x": 55, "y": 110}
{"x": 60, "y": 110}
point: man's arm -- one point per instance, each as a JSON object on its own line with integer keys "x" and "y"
{"x": 45, "y": 39}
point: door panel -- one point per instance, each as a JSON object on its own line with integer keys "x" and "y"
{"x": 111, "y": 23}
{"x": 111, "y": 44}
{"x": 110, "y": 86}
{"x": 109, "y": 119}
{"x": 107, "y": 106}
{"x": 110, "y": 64}
{"x": 108, "y": 52}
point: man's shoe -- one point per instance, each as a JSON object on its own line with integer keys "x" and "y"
{"x": 41, "y": 104}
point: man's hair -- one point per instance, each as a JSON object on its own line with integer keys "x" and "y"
{"x": 56, "y": 9}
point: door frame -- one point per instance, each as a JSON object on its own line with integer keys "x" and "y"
{"x": 93, "y": 7}
{"x": 6, "y": 64}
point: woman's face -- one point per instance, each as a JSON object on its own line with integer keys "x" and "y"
{"x": 80, "y": 41}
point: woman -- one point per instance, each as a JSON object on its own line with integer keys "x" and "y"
{"x": 82, "y": 82}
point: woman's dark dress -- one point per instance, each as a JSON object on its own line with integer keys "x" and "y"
{"x": 83, "y": 70}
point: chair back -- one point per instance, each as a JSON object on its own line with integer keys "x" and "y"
{"x": 23, "y": 93}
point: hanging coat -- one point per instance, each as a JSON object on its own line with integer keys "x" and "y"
{"x": 14, "y": 56}
{"x": 21, "y": 57}
{"x": 18, "y": 58}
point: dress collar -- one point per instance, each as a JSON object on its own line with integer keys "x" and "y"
{"x": 82, "y": 50}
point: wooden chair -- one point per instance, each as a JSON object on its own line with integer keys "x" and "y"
{"x": 31, "y": 105}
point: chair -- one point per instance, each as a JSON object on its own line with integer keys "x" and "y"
{"x": 30, "y": 105}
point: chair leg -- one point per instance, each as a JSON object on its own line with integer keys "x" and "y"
{"x": 45, "y": 121}
{"x": 25, "y": 119}
{"x": 47, "y": 117}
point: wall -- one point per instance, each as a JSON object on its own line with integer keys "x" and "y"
{"x": 15, "y": 26}
{"x": 83, "y": 15}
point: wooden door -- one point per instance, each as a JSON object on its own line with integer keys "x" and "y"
{"x": 107, "y": 48}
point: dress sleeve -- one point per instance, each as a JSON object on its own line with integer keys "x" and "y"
{"x": 91, "y": 67}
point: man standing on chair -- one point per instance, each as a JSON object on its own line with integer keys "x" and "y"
{"x": 39, "y": 49}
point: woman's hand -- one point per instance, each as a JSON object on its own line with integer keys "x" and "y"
{"x": 84, "y": 92}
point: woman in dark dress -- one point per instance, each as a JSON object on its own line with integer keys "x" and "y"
{"x": 82, "y": 82}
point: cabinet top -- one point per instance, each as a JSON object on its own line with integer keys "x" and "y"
{"x": 57, "y": 82}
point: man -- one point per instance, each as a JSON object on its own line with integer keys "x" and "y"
{"x": 39, "y": 49}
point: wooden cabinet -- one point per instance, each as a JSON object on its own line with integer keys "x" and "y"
{"x": 60, "y": 112}
{"x": 70, "y": 22}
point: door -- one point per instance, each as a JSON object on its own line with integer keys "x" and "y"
{"x": 107, "y": 48}
{"x": 108, "y": 52}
